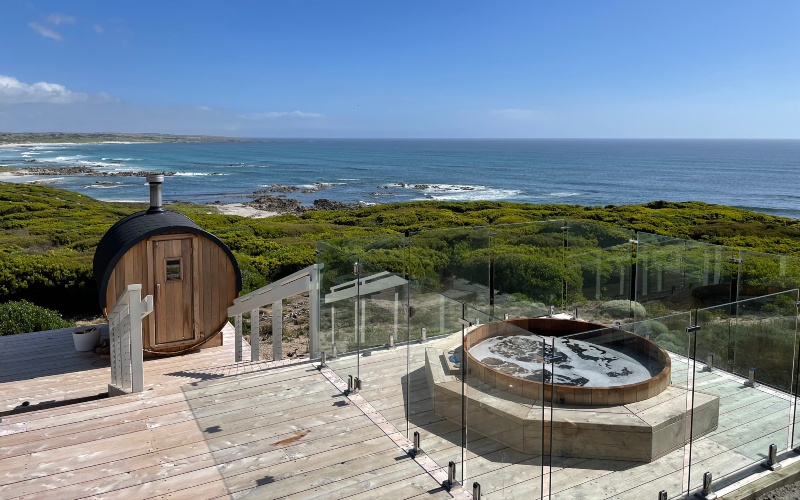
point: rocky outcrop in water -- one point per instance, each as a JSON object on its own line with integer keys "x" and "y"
{"x": 283, "y": 188}
{"x": 284, "y": 205}
{"x": 85, "y": 171}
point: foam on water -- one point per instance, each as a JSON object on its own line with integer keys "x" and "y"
{"x": 590, "y": 172}
{"x": 571, "y": 362}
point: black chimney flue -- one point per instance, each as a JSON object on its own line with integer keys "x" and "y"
{"x": 155, "y": 182}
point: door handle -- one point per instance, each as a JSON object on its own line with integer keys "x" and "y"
{"x": 158, "y": 290}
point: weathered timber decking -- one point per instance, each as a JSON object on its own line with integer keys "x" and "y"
{"x": 749, "y": 421}
{"x": 289, "y": 432}
{"x": 283, "y": 433}
{"x": 44, "y": 366}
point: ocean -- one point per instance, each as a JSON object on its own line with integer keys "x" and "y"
{"x": 760, "y": 175}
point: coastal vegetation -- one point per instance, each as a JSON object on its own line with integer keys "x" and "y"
{"x": 48, "y": 237}
{"x": 22, "y": 317}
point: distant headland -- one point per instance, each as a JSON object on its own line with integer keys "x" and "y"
{"x": 81, "y": 138}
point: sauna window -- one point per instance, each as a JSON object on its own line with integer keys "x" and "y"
{"x": 173, "y": 269}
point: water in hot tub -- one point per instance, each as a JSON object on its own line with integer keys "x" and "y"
{"x": 568, "y": 361}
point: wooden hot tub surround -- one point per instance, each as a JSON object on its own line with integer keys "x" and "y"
{"x": 569, "y": 394}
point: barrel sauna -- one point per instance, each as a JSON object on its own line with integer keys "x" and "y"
{"x": 192, "y": 275}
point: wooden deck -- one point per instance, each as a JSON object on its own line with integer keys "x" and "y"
{"x": 44, "y": 367}
{"x": 255, "y": 431}
{"x": 272, "y": 432}
{"x": 750, "y": 420}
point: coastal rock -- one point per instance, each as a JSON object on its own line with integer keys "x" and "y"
{"x": 283, "y": 188}
{"x": 323, "y": 204}
{"x": 283, "y": 205}
{"x": 131, "y": 174}
{"x": 277, "y": 204}
{"x": 85, "y": 171}
{"x": 55, "y": 171}
{"x": 278, "y": 188}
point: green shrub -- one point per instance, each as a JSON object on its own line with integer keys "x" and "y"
{"x": 623, "y": 309}
{"x": 24, "y": 317}
{"x": 651, "y": 327}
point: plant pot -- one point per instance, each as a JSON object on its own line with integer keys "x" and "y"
{"x": 86, "y": 338}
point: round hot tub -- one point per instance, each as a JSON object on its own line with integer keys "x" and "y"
{"x": 566, "y": 361}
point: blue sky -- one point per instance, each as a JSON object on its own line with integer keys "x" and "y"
{"x": 715, "y": 69}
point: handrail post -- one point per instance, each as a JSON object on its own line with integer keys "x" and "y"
{"x": 237, "y": 339}
{"x": 313, "y": 311}
{"x": 125, "y": 340}
{"x": 277, "y": 330}
{"x": 137, "y": 356}
{"x": 255, "y": 334}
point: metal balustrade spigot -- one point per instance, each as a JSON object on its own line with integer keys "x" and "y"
{"x": 416, "y": 448}
{"x": 476, "y": 491}
{"x": 707, "y": 492}
{"x": 709, "y": 362}
{"x": 451, "y": 476}
{"x": 772, "y": 459}
{"x": 751, "y": 378}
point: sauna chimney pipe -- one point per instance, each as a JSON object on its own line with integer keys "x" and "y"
{"x": 155, "y": 182}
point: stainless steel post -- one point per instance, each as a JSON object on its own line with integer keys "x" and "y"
{"x": 751, "y": 378}
{"x": 416, "y": 445}
{"x": 451, "y": 475}
{"x": 707, "y": 490}
{"x": 662, "y": 495}
{"x": 772, "y": 459}
{"x": 476, "y": 491}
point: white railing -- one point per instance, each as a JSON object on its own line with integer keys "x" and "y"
{"x": 306, "y": 280}
{"x": 125, "y": 337}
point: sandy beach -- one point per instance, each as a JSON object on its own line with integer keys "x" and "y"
{"x": 242, "y": 210}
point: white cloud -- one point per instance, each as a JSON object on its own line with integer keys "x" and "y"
{"x": 518, "y": 114}
{"x": 60, "y": 18}
{"x": 99, "y": 29}
{"x": 46, "y": 32}
{"x": 271, "y": 115}
{"x": 13, "y": 91}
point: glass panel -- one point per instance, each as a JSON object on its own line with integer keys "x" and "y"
{"x": 757, "y": 334}
{"x": 764, "y": 273}
{"x": 619, "y": 408}
{"x": 675, "y": 275}
{"x": 454, "y": 262}
{"x": 432, "y": 389}
{"x": 599, "y": 272}
{"x": 173, "y": 269}
{"x": 339, "y": 315}
{"x": 504, "y": 411}
{"x": 528, "y": 269}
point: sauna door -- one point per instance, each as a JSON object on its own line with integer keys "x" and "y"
{"x": 174, "y": 275}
